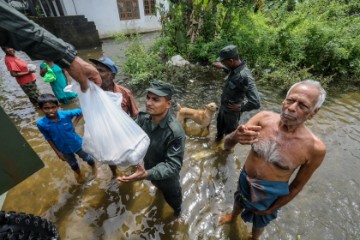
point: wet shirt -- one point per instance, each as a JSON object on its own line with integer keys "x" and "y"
{"x": 62, "y": 132}
{"x": 17, "y": 65}
{"x": 128, "y": 103}
{"x": 163, "y": 160}
{"x": 240, "y": 83}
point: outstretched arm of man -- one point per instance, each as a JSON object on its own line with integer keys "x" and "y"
{"x": 139, "y": 174}
{"x": 82, "y": 71}
{"x": 245, "y": 134}
{"x": 168, "y": 168}
{"x": 18, "y": 32}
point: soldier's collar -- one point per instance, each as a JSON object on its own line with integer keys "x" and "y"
{"x": 164, "y": 121}
{"x": 240, "y": 67}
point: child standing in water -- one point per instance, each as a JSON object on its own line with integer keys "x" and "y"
{"x": 58, "y": 129}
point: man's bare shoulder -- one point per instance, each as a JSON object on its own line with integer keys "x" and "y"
{"x": 319, "y": 145}
{"x": 317, "y": 149}
{"x": 268, "y": 114}
{"x": 265, "y": 117}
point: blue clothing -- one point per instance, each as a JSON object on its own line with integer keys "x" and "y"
{"x": 254, "y": 194}
{"x": 59, "y": 84}
{"x": 62, "y": 132}
{"x": 71, "y": 159}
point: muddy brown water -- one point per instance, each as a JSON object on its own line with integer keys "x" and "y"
{"x": 327, "y": 208}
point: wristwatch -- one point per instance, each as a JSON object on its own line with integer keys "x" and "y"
{"x": 70, "y": 54}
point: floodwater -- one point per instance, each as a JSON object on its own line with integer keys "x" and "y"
{"x": 327, "y": 208}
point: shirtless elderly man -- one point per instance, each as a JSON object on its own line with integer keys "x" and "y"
{"x": 280, "y": 143}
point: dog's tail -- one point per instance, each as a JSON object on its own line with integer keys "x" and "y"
{"x": 178, "y": 107}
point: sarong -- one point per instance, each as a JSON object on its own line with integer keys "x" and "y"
{"x": 31, "y": 90}
{"x": 254, "y": 194}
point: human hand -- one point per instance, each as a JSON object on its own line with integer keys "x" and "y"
{"x": 234, "y": 107}
{"x": 218, "y": 65}
{"x": 82, "y": 71}
{"x": 247, "y": 134}
{"x": 139, "y": 174}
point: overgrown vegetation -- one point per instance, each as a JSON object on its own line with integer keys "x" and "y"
{"x": 141, "y": 64}
{"x": 282, "y": 41}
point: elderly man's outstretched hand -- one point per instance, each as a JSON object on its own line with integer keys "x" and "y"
{"x": 247, "y": 134}
{"x": 243, "y": 135}
{"x": 82, "y": 71}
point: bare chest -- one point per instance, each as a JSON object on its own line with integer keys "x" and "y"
{"x": 281, "y": 151}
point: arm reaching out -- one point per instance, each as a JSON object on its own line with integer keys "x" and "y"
{"x": 243, "y": 135}
{"x": 246, "y": 134}
{"x": 139, "y": 174}
{"x": 18, "y": 32}
{"x": 82, "y": 71}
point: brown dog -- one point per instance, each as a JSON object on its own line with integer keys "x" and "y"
{"x": 202, "y": 117}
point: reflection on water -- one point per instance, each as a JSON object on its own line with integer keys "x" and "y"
{"x": 327, "y": 208}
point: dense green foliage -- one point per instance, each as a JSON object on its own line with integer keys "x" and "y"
{"x": 141, "y": 64}
{"x": 282, "y": 41}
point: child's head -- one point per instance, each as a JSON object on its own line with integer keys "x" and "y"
{"x": 47, "y": 98}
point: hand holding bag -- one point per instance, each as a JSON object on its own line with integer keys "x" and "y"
{"x": 49, "y": 75}
{"x": 110, "y": 134}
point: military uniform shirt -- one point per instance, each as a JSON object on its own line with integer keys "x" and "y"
{"x": 163, "y": 160}
{"x": 240, "y": 83}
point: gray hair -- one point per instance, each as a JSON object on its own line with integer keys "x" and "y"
{"x": 316, "y": 84}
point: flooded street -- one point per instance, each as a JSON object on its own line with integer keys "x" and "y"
{"x": 327, "y": 208}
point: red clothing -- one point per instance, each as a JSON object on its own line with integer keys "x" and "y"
{"x": 17, "y": 65}
{"x": 128, "y": 103}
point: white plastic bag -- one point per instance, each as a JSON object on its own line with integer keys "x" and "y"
{"x": 31, "y": 67}
{"x": 110, "y": 135}
{"x": 116, "y": 97}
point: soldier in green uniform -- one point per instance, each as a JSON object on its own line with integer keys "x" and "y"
{"x": 164, "y": 158}
{"x": 238, "y": 84}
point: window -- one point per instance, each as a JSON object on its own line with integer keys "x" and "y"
{"x": 128, "y": 9}
{"x": 149, "y": 7}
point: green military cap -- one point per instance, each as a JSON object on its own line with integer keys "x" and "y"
{"x": 227, "y": 52}
{"x": 161, "y": 89}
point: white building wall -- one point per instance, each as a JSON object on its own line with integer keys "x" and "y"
{"x": 106, "y": 16}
